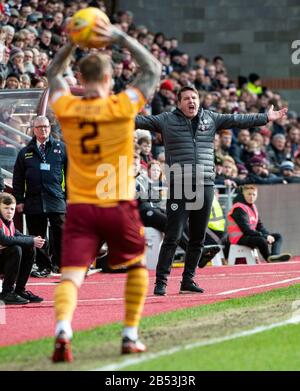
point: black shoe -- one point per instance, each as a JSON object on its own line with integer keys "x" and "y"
{"x": 13, "y": 298}
{"x": 160, "y": 289}
{"x": 208, "y": 254}
{"x": 40, "y": 273}
{"x": 279, "y": 258}
{"x": 55, "y": 269}
{"x": 190, "y": 287}
{"x": 27, "y": 295}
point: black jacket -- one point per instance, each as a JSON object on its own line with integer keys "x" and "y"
{"x": 41, "y": 191}
{"x": 242, "y": 220}
{"x": 17, "y": 240}
{"x": 184, "y": 146}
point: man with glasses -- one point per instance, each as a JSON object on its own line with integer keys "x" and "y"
{"x": 39, "y": 188}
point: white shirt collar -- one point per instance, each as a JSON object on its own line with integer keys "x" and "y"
{"x": 38, "y": 143}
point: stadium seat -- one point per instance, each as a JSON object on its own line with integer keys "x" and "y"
{"x": 238, "y": 253}
{"x": 153, "y": 242}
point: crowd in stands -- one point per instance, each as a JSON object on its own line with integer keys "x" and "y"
{"x": 32, "y": 31}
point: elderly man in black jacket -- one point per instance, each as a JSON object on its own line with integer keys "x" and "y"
{"x": 188, "y": 134}
{"x": 39, "y": 188}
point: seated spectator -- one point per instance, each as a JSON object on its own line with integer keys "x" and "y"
{"x": 253, "y": 149}
{"x": 226, "y": 141}
{"x": 242, "y": 172}
{"x": 25, "y": 81}
{"x": 297, "y": 163}
{"x": 287, "y": 171}
{"x": 146, "y": 155}
{"x": 276, "y": 152}
{"x": 254, "y": 84}
{"x": 119, "y": 82}
{"x": 243, "y": 139}
{"x": 260, "y": 174}
{"x": 246, "y": 228}
{"x": 16, "y": 256}
{"x": 13, "y": 81}
{"x": 16, "y": 61}
{"x": 164, "y": 99}
{"x": 266, "y": 133}
{"x": 293, "y": 136}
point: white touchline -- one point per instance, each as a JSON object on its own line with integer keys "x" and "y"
{"x": 151, "y": 356}
{"x": 258, "y": 286}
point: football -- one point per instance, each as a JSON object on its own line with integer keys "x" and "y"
{"x": 80, "y": 27}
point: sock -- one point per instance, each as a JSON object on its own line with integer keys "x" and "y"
{"x": 65, "y": 326}
{"x": 130, "y": 332}
{"x": 65, "y": 303}
{"x": 135, "y": 292}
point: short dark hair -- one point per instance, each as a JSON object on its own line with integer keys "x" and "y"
{"x": 186, "y": 88}
{"x": 7, "y": 199}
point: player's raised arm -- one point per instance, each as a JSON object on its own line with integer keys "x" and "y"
{"x": 56, "y": 69}
{"x": 150, "y": 67}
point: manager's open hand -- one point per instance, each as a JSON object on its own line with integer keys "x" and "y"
{"x": 275, "y": 115}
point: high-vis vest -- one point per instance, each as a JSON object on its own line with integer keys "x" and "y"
{"x": 7, "y": 231}
{"x": 216, "y": 218}
{"x": 234, "y": 231}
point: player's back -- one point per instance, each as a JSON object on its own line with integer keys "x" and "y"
{"x": 99, "y": 139}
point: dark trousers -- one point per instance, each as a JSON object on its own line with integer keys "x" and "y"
{"x": 157, "y": 218}
{"x": 262, "y": 244}
{"x": 16, "y": 264}
{"x": 37, "y": 226}
{"x": 177, "y": 217}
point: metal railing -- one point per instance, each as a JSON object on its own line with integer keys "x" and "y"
{"x": 10, "y": 129}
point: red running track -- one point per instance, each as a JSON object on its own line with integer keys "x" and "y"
{"x": 101, "y": 297}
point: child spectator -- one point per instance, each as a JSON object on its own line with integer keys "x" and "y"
{"x": 16, "y": 256}
{"x": 246, "y": 228}
{"x": 146, "y": 155}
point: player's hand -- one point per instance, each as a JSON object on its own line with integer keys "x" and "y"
{"x": 270, "y": 239}
{"x": 106, "y": 33}
{"x": 38, "y": 241}
{"x": 276, "y": 115}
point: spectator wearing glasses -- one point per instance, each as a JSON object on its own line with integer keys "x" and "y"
{"x": 41, "y": 165}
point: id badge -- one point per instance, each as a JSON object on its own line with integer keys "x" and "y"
{"x": 45, "y": 167}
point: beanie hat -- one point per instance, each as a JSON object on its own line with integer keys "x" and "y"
{"x": 15, "y": 52}
{"x": 167, "y": 85}
{"x": 287, "y": 165}
{"x": 242, "y": 168}
{"x": 256, "y": 161}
